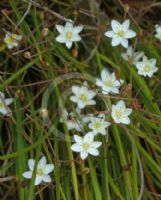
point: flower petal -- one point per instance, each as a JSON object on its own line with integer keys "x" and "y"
{"x": 48, "y": 168}
{"x": 8, "y": 101}
{"x": 78, "y": 139}
{"x": 83, "y": 155}
{"x": 60, "y": 28}
{"x": 27, "y": 174}
{"x": 75, "y": 89}
{"x": 38, "y": 180}
{"x": 130, "y": 34}
{"x": 109, "y": 34}
{"x": 76, "y": 147}
{"x": 126, "y": 25}
{"x": 116, "y": 41}
{"x": 68, "y": 44}
{"x": 77, "y": 29}
{"x": 124, "y": 43}
{"x": 115, "y": 25}
{"x": 31, "y": 164}
{"x": 93, "y": 151}
{"x": 60, "y": 39}
{"x": 47, "y": 179}
{"x": 42, "y": 162}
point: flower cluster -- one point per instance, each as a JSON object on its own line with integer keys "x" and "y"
{"x": 145, "y": 66}
{"x": 83, "y": 97}
{"x": 90, "y": 124}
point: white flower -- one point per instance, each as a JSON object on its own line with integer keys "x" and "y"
{"x": 4, "y": 103}
{"x": 86, "y": 145}
{"x": 158, "y": 32}
{"x": 147, "y": 67}
{"x": 68, "y": 34}
{"x": 120, "y": 33}
{"x": 99, "y": 125}
{"x": 132, "y": 56}
{"x": 108, "y": 82}
{"x": 82, "y": 96}
{"x": 120, "y": 113}
{"x": 12, "y": 39}
{"x": 42, "y": 171}
{"x": 74, "y": 120}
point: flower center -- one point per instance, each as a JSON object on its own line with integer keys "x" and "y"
{"x": 83, "y": 97}
{"x": 85, "y": 146}
{"x": 121, "y": 34}
{"x": 118, "y": 113}
{"x": 40, "y": 172}
{"x": 10, "y": 40}
{"x": 147, "y": 69}
{"x": 97, "y": 125}
{"x": 69, "y": 35}
{"x": 109, "y": 83}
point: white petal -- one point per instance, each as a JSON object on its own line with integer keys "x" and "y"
{"x": 74, "y": 99}
{"x": 78, "y": 139}
{"x": 42, "y": 162}
{"x": 10, "y": 46}
{"x": 47, "y": 178}
{"x": 116, "y": 41}
{"x": 130, "y": 34}
{"x": 19, "y": 37}
{"x": 121, "y": 104}
{"x": 88, "y": 138}
{"x": 124, "y": 43}
{"x": 69, "y": 44}
{"x": 115, "y": 25}
{"x": 99, "y": 82}
{"x": 126, "y": 24}
{"x": 5, "y": 111}
{"x": 96, "y": 144}
{"x": 27, "y": 174}
{"x": 76, "y": 38}
{"x": 77, "y": 29}
{"x": 76, "y": 147}
{"x": 60, "y": 28}
{"x": 105, "y": 74}
{"x": 75, "y": 89}
{"x": 128, "y": 111}
{"x": 8, "y": 101}
{"x": 91, "y": 94}
{"x": 48, "y": 168}
{"x": 153, "y": 61}
{"x": 60, "y": 39}
{"x": 68, "y": 26}
{"x": 73, "y": 125}
{"x": 83, "y": 155}
{"x": 38, "y": 180}
{"x": 31, "y": 164}
{"x": 91, "y": 102}
{"x": 81, "y": 104}
{"x": 125, "y": 120}
{"x": 109, "y": 34}
{"x": 93, "y": 151}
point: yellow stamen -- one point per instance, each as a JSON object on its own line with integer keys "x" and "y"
{"x": 121, "y": 34}
{"x": 69, "y": 35}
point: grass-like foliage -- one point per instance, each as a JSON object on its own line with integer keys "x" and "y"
{"x": 51, "y": 89}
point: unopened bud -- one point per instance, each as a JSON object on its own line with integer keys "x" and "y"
{"x": 45, "y": 115}
{"x": 126, "y": 8}
{"x": 27, "y": 55}
{"x": 45, "y": 32}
